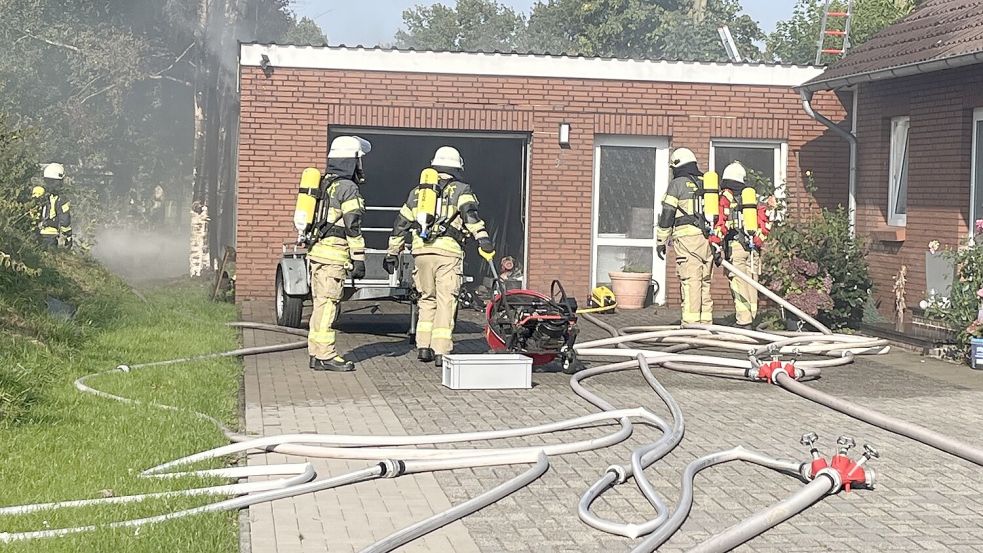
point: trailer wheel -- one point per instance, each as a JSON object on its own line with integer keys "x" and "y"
{"x": 289, "y": 309}
{"x": 571, "y": 365}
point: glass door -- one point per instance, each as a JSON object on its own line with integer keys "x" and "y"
{"x": 631, "y": 175}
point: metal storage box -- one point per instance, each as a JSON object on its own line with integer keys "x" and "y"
{"x": 487, "y": 371}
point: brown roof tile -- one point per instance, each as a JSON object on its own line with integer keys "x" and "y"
{"x": 937, "y": 30}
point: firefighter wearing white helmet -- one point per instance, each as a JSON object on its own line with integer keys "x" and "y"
{"x": 742, "y": 227}
{"x": 440, "y": 213}
{"x": 683, "y": 220}
{"x": 328, "y": 218}
{"x": 54, "y": 214}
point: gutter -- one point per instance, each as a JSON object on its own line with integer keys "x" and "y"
{"x": 850, "y": 137}
{"x": 916, "y": 68}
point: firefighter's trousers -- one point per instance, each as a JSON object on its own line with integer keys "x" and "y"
{"x": 694, "y": 263}
{"x": 438, "y": 279}
{"x": 745, "y": 295}
{"x": 327, "y": 283}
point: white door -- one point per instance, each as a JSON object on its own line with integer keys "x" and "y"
{"x": 631, "y": 175}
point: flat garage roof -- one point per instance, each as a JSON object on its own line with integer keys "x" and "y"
{"x": 524, "y": 65}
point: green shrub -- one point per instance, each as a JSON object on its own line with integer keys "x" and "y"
{"x": 822, "y": 243}
{"x": 960, "y": 310}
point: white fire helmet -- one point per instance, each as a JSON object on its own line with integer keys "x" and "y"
{"x": 345, "y": 147}
{"x": 735, "y": 172}
{"x": 55, "y": 171}
{"x": 447, "y": 156}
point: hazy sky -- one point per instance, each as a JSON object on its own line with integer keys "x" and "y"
{"x": 372, "y": 21}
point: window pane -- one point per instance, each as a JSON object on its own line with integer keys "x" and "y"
{"x": 898, "y": 198}
{"x": 759, "y": 160}
{"x": 978, "y": 176}
{"x": 618, "y": 258}
{"x": 901, "y": 206}
{"x": 626, "y": 192}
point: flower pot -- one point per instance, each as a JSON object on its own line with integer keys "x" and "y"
{"x": 976, "y": 353}
{"x": 630, "y": 289}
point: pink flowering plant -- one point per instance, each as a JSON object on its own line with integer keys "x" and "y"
{"x": 802, "y": 283}
{"x": 818, "y": 266}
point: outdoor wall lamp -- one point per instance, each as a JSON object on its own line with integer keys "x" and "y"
{"x": 564, "y": 138}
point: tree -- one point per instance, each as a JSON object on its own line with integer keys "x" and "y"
{"x": 472, "y": 25}
{"x": 305, "y": 32}
{"x": 656, "y": 29}
{"x": 795, "y": 40}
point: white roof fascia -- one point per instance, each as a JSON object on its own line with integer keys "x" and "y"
{"x": 525, "y": 65}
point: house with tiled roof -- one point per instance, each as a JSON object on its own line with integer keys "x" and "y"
{"x": 916, "y": 136}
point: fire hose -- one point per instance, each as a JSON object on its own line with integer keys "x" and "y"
{"x": 822, "y": 476}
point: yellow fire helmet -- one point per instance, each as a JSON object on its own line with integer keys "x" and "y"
{"x": 37, "y": 192}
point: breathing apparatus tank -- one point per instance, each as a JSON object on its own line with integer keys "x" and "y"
{"x": 310, "y": 181}
{"x": 427, "y": 202}
{"x": 711, "y": 196}
{"x": 749, "y": 210}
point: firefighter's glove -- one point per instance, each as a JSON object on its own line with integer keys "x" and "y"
{"x": 661, "y": 251}
{"x": 358, "y": 269}
{"x": 486, "y": 249}
{"x": 389, "y": 263}
{"x": 718, "y": 255}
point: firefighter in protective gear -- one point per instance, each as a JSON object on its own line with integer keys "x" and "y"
{"x": 440, "y": 213}
{"x": 329, "y": 218}
{"x": 742, "y": 227}
{"x": 54, "y": 219}
{"x": 683, "y": 221}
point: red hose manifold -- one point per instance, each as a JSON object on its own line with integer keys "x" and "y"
{"x": 769, "y": 371}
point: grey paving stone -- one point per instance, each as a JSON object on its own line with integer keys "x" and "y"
{"x": 925, "y": 500}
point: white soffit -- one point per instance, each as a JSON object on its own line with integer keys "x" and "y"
{"x": 525, "y": 65}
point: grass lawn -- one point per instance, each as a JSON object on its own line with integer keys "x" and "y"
{"x": 75, "y": 446}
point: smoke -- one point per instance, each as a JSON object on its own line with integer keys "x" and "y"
{"x": 141, "y": 255}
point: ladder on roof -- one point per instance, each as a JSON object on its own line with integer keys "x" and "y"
{"x": 842, "y": 12}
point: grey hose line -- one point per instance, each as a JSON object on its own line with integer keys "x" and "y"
{"x": 775, "y": 297}
{"x": 410, "y": 533}
{"x": 662, "y": 534}
{"x": 897, "y": 426}
{"x": 228, "y": 504}
{"x": 766, "y": 519}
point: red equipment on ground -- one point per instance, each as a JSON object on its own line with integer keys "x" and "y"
{"x": 533, "y": 324}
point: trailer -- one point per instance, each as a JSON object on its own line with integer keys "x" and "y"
{"x": 293, "y": 278}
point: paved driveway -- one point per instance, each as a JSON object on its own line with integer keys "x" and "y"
{"x": 925, "y": 500}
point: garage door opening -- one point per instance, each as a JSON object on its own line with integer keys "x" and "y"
{"x": 495, "y": 167}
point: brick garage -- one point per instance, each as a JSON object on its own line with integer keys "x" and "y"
{"x": 287, "y": 112}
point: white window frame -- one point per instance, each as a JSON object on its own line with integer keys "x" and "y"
{"x": 973, "y": 216}
{"x": 780, "y": 148}
{"x": 661, "y": 146}
{"x": 894, "y": 218}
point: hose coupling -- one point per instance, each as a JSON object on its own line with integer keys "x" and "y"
{"x": 123, "y": 368}
{"x": 620, "y": 474}
{"x": 833, "y": 475}
{"x": 391, "y": 468}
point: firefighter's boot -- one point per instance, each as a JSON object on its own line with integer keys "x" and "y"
{"x": 337, "y": 364}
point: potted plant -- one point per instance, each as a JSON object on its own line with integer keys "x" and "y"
{"x": 631, "y": 284}
{"x": 962, "y": 310}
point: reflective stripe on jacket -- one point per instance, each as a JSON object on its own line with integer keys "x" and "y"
{"x": 681, "y": 205}
{"x": 339, "y": 222}
{"x": 459, "y": 211}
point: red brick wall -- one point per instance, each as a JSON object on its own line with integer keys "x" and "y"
{"x": 285, "y": 120}
{"x": 940, "y": 106}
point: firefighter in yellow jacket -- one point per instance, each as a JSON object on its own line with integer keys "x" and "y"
{"x": 329, "y": 217}
{"x": 683, "y": 220}
{"x": 440, "y": 213}
{"x": 54, "y": 215}
{"x": 742, "y": 226}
